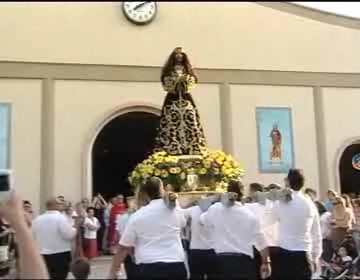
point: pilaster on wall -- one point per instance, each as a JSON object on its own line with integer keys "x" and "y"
{"x": 324, "y": 180}
{"x": 47, "y": 141}
{"x": 226, "y": 118}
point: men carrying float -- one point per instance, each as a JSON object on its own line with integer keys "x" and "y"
{"x": 236, "y": 231}
{"x": 299, "y": 233}
{"x": 262, "y": 208}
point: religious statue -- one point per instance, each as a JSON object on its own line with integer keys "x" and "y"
{"x": 275, "y": 136}
{"x": 180, "y": 131}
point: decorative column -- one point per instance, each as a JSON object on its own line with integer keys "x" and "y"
{"x": 320, "y": 133}
{"x": 226, "y": 118}
{"x": 47, "y": 141}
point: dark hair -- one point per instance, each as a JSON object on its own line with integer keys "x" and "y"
{"x": 295, "y": 179}
{"x": 237, "y": 187}
{"x": 320, "y": 207}
{"x": 151, "y": 187}
{"x": 61, "y": 197}
{"x": 90, "y": 208}
{"x": 256, "y": 187}
{"x": 273, "y": 187}
{"x": 332, "y": 192}
{"x": 309, "y": 190}
{"x": 80, "y": 269}
{"x": 170, "y": 63}
{"x": 26, "y": 202}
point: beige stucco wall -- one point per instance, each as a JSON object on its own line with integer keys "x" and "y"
{"x": 244, "y": 101}
{"x": 25, "y": 99}
{"x": 217, "y": 35}
{"x": 82, "y": 107}
{"x": 341, "y": 112}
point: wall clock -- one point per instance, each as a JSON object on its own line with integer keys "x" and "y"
{"x": 139, "y": 13}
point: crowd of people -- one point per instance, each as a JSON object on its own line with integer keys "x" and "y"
{"x": 236, "y": 236}
{"x": 65, "y": 234}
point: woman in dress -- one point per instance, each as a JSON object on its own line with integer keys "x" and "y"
{"x": 91, "y": 225}
{"x": 118, "y": 208}
{"x": 341, "y": 222}
{"x": 180, "y": 131}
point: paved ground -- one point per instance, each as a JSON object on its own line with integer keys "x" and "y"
{"x": 100, "y": 268}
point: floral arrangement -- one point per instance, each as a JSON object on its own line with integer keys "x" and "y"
{"x": 214, "y": 169}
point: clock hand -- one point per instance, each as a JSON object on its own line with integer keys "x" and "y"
{"x": 140, "y": 5}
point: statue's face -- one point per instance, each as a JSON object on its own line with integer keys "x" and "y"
{"x": 179, "y": 56}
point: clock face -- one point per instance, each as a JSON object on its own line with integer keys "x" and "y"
{"x": 139, "y": 12}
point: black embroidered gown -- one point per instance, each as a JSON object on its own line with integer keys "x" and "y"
{"x": 180, "y": 131}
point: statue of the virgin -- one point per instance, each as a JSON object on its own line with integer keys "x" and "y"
{"x": 180, "y": 131}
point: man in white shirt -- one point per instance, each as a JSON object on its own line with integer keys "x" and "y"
{"x": 236, "y": 231}
{"x": 122, "y": 220}
{"x": 262, "y": 210}
{"x": 154, "y": 233}
{"x": 54, "y": 235}
{"x": 202, "y": 257}
{"x": 299, "y": 233}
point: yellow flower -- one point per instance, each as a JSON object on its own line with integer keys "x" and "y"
{"x": 178, "y": 170}
{"x": 219, "y": 161}
{"x": 157, "y": 172}
{"x": 172, "y": 170}
{"x": 164, "y": 174}
{"x": 202, "y": 171}
{"x": 225, "y": 170}
{"x": 207, "y": 164}
{"x": 216, "y": 171}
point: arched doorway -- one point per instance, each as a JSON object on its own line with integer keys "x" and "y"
{"x": 122, "y": 143}
{"x": 349, "y": 172}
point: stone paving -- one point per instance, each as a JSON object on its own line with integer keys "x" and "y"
{"x": 100, "y": 269}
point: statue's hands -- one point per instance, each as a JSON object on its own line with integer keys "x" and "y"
{"x": 181, "y": 78}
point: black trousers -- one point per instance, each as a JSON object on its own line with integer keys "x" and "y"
{"x": 202, "y": 264}
{"x": 58, "y": 265}
{"x": 328, "y": 250}
{"x": 235, "y": 266}
{"x": 160, "y": 270}
{"x": 100, "y": 237}
{"x": 291, "y": 265}
{"x": 257, "y": 263}
{"x": 131, "y": 268}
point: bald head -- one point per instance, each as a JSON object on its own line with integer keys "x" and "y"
{"x": 53, "y": 204}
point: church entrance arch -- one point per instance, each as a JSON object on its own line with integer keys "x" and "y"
{"x": 349, "y": 169}
{"x": 121, "y": 144}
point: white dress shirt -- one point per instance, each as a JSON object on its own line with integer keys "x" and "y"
{"x": 236, "y": 229}
{"x": 200, "y": 234}
{"x": 325, "y": 224}
{"x": 154, "y": 232}
{"x": 121, "y": 221}
{"x": 264, "y": 213}
{"x": 53, "y": 233}
{"x": 299, "y": 225}
{"x": 91, "y": 226}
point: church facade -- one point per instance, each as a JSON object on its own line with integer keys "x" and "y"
{"x": 69, "y": 70}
